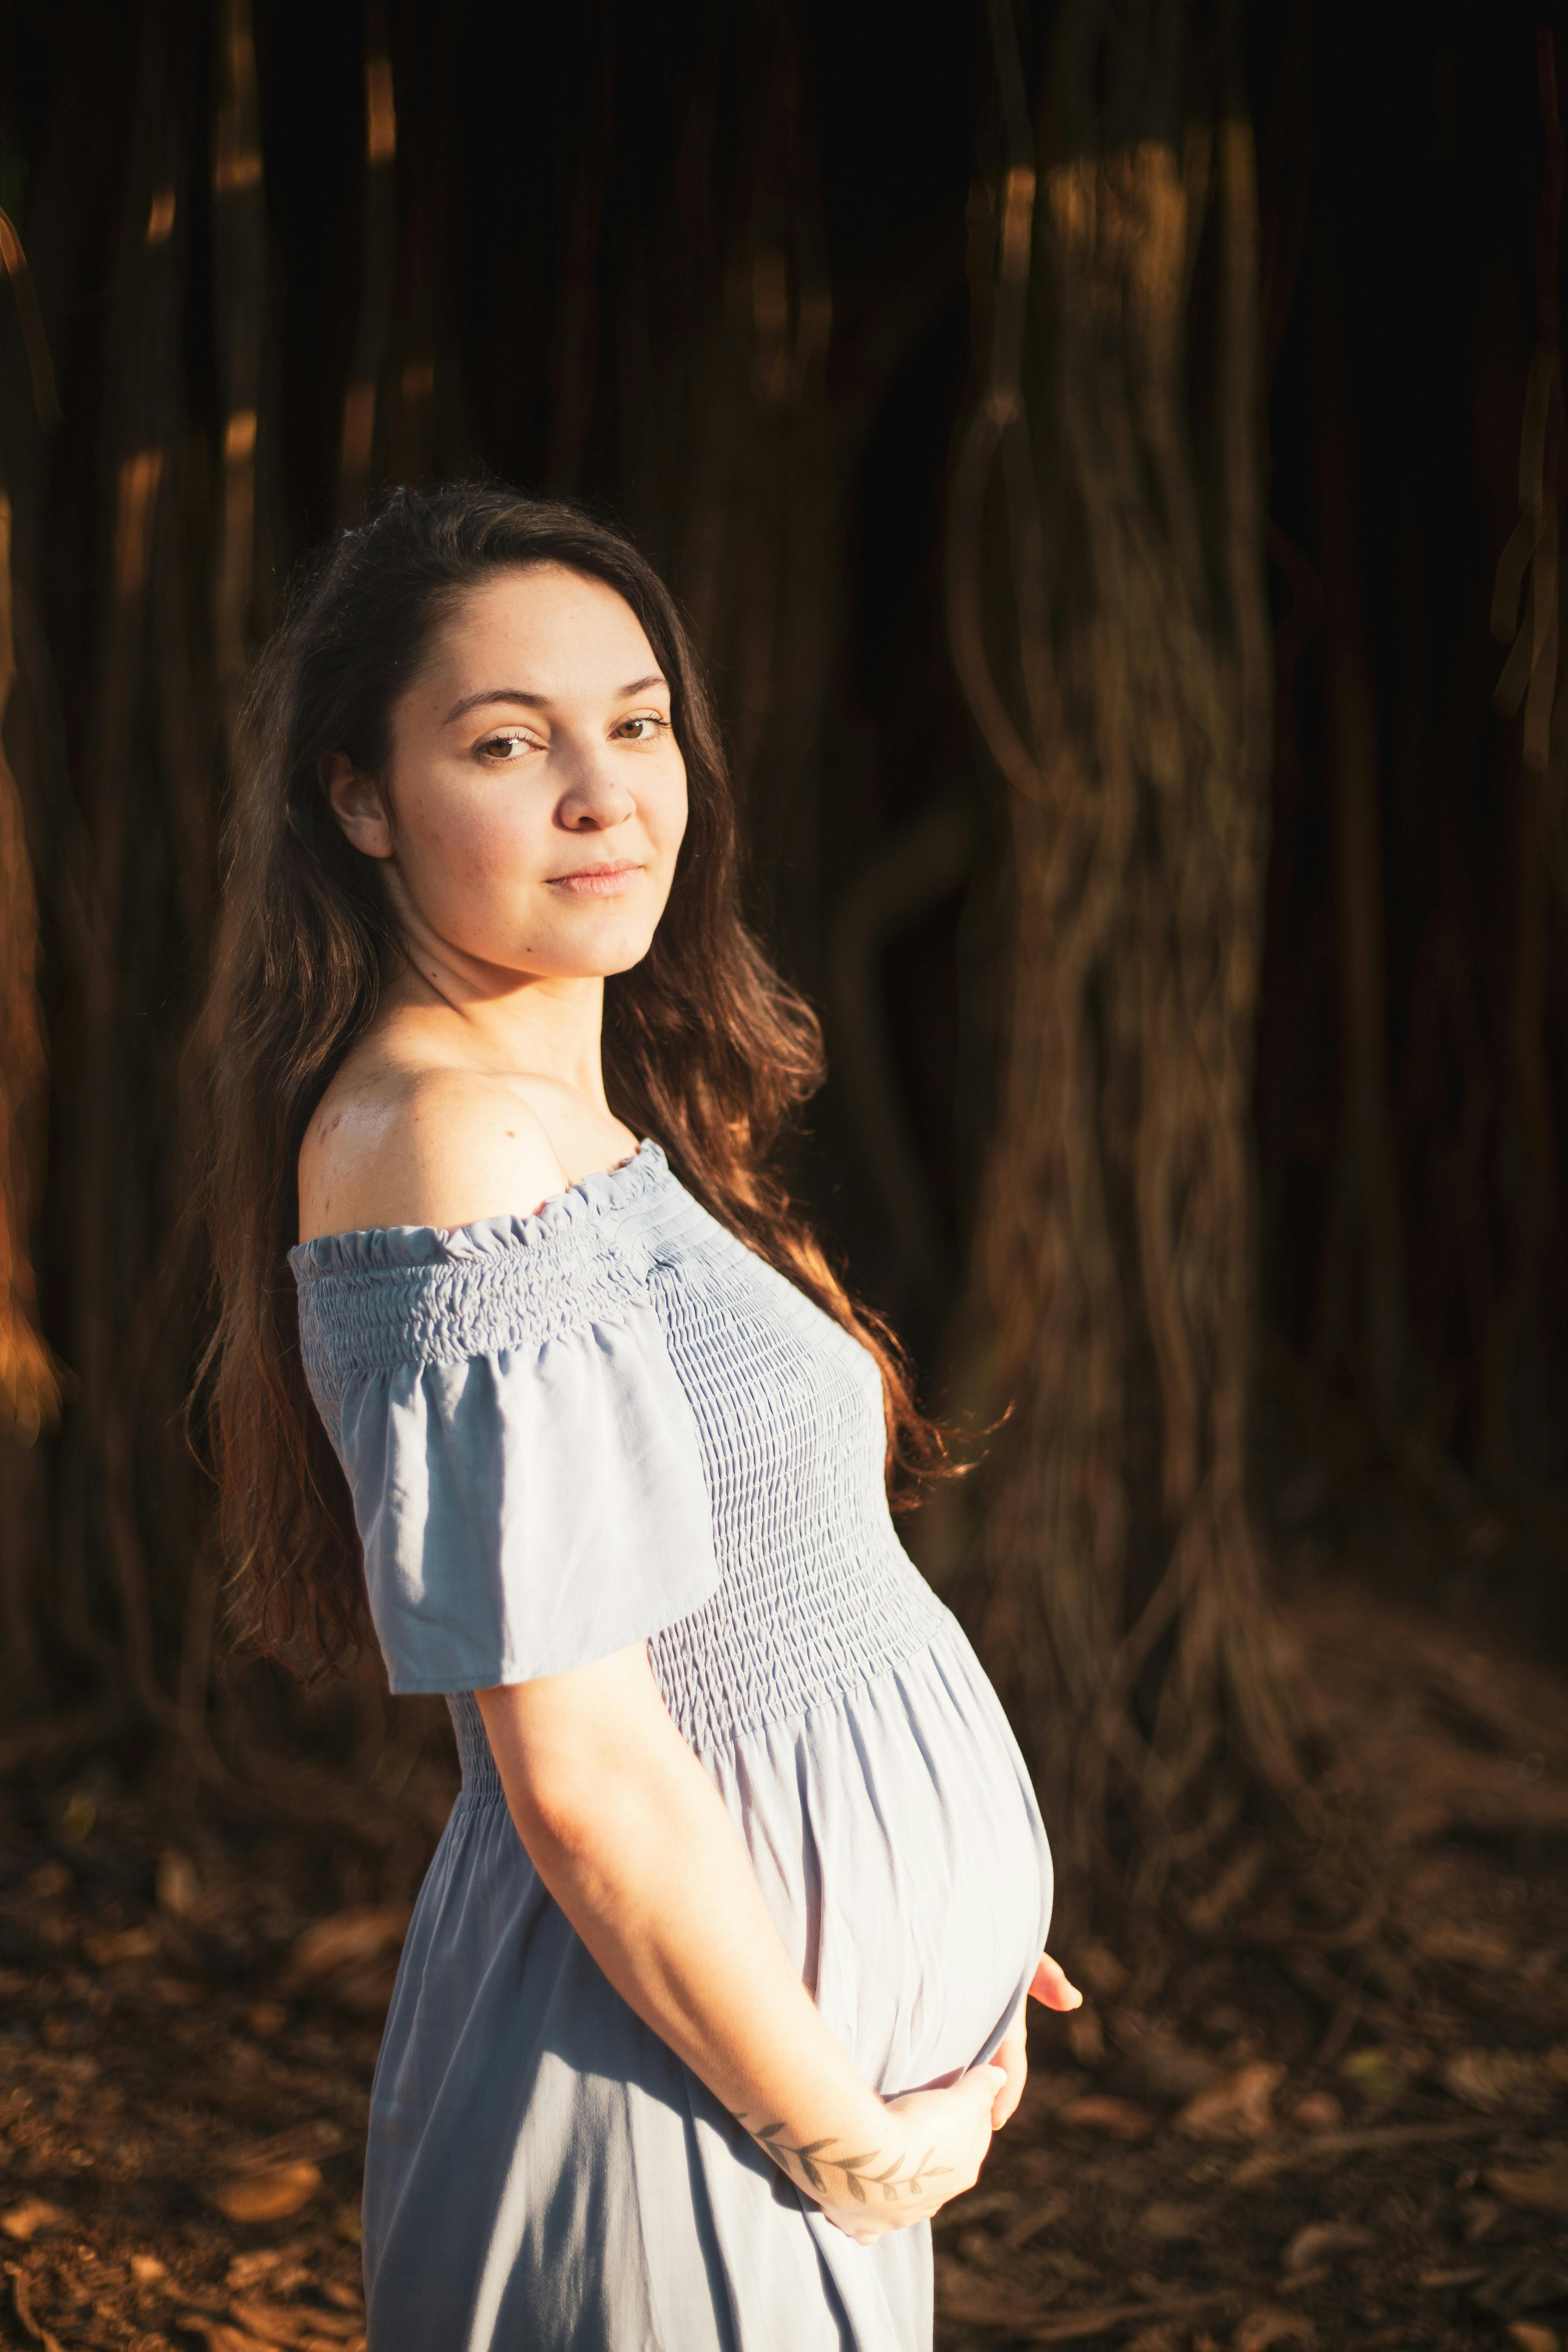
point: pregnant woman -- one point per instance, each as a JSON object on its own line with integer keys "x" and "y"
{"x": 714, "y": 1990}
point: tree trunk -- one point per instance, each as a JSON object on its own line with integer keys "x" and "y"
{"x": 1114, "y": 548}
{"x": 1361, "y": 1316}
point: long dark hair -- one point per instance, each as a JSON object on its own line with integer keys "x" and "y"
{"x": 706, "y": 1046}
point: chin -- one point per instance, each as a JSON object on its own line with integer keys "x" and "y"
{"x": 605, "y": 967}
{"x": 595, "y": 959}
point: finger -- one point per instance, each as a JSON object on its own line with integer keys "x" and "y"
{"x": 1013, "y": 2058}
{"x": 851, "y": 2226}
{"x": 984, "y": 2085}
{"x": 1051, "y": 1986}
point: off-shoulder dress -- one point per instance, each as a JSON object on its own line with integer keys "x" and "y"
{"x": 605, "y": 1423}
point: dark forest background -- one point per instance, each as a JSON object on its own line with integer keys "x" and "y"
{"x": 1052, "y": 396}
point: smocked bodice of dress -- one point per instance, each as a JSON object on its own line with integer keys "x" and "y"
{"x": 644, "y": 1431}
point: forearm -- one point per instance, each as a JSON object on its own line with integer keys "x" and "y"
{"x": 650, "y": 1871}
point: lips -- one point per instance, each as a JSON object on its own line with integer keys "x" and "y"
{"x": 596, "y": 881}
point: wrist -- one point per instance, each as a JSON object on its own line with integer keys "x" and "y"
{"x": 871, "y": 2167}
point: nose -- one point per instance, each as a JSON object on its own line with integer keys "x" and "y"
{"x": 596, "y": 797}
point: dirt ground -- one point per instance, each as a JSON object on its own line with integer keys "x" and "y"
{"x": 1297, "y": 2146}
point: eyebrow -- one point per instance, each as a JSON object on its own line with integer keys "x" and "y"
{"x": 538, "y": 701}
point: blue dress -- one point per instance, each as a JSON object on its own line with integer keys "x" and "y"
{"x": 607, "y": 1422}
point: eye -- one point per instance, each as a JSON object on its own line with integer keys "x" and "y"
{"x": 649, "y": 725}
{"x": 505, "y": 750}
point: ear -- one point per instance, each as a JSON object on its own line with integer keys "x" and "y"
{"x": 357, "y": 803}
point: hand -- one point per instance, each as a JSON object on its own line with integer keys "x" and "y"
{"x": 1049, "y": 1986}
{"x": 934, "y": 2151}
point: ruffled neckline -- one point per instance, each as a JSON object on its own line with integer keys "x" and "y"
{"x": 372, "y": 1248}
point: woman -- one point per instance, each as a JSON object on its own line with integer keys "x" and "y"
{"x": 713, "y": 1992}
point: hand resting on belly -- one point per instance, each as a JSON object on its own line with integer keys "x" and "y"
{"x": 634, "y": 1842}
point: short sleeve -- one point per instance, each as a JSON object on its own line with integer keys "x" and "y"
{"x": 526, "y": 1471}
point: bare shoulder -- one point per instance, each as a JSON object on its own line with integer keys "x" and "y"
{"x": 392, "y": 1144}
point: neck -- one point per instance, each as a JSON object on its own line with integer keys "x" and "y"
{"x": 519, "y": 1024}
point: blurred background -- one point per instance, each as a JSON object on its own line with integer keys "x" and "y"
{"x": 1112, "y": 458}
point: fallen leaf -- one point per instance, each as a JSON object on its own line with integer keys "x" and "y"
{"x": 1523, "y": 2285}
{"x": 1257, "y": 2330}
{"x": 980, "y": 2249}
{"x": 361, "y": 1933}
{"x": 1377, "y": 2073}
{"x": 1317, "y": 2111}
{"x": 78, "y": 1816}
{"x": 1320, "y": 2241}
{"x": 297, "y": 2329}
{"x": 1024, "y": 2232}
{"x": 1065, "y": 2266}
{"x": 245, "y": 2269}
{"x": 175, "y": 1883}
{"x": 267, "y": 2193}
{"x": 966, "y": 2298}
{"x": 964, "y": 2294}
{"x": 352, "y": 1957}
{"x": 33, "y": 2214}
{"x": 1100, "y": 1969}
{"x": 980, "y": 2205}
{"x": 1478, "y": 1947}
{"x": 218, "y": 2337}
{"x": 1171, "y": 2224}
{"x": 125, "y": 1944}
{"x": 266, "y": 2322}
{"x": 1303, "y": 2155}
{"x": 1530, "y": 2337}
{"x": 179, "y": 1992}
{"x": 1086, "y": 2038}
{"x": 30, "y": 2323}
{"x": 1119, "y": 2118}
{"x": 1540, "y": 2188}
{"x": 1236, "y": 2107}
{"x": 1492, "y": 2079}
{"x": 1481, "y": 2216}
{"x": 1170, "y": 2069}
{"x": 51, "y": 1880}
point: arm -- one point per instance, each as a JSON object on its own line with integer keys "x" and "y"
{"x": 635, "y": 1843}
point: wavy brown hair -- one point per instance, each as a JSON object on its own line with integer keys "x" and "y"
{"x": 706, "y": 1047}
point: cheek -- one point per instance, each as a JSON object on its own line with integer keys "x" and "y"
{"x": 667, "y": 816}
{"x": 470, "y": 843}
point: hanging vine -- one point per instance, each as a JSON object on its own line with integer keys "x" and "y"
{"x": 1108, "y": 621}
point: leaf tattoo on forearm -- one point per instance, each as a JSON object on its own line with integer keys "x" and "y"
{"x": 859, "y": 2182}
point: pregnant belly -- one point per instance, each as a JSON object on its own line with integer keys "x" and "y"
{"x": 900, "y": 1849}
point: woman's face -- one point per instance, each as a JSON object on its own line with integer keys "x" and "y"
{"x": 536, "y": 795}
